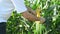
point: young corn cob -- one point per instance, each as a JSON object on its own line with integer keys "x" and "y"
{"x": 39, "y": 26}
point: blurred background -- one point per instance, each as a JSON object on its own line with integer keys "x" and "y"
{"x": 50, "y": 10}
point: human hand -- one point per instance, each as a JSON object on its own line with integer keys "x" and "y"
{"x": 31, "y": 15}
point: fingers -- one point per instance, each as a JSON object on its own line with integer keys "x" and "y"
{"x": 31, "y": 11}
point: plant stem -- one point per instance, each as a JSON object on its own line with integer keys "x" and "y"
{"x": 22, "y": 31}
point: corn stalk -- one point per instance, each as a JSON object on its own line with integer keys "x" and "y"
{"x": 39, "y": 26}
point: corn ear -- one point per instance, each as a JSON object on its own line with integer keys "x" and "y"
{"x": 39, "y": 26}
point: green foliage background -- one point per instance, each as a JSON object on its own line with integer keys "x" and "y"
{"x": 17, "y": 24}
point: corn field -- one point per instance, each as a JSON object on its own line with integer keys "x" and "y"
{"x": 50, "y": 10}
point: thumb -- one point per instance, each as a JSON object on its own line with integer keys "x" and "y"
{"x": 42, "y": 20}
